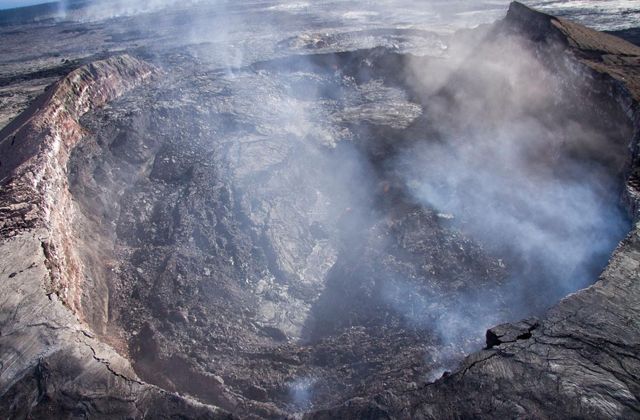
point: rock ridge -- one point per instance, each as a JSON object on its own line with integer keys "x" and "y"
{"x": 52, "y": 364}
{"x": 35, "y": 149}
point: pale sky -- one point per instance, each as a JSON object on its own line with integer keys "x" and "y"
{"x": 8, "y": 4}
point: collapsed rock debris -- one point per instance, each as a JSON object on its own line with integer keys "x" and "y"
{"x": 238, "y": 256}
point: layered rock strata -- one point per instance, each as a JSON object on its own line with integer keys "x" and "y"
{"x": 52, "y": 364}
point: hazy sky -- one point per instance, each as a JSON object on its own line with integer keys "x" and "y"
{"x": 7, "y": 4}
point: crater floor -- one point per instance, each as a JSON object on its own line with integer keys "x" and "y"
{"x": 265, "y": 218}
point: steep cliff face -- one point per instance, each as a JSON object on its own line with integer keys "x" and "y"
{"x": 35, "y": 149}
{"x": 51, "y": 363}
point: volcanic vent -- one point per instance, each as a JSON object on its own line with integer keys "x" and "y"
{"x": 327, "y": 227}
{"x": 288, "y": 235}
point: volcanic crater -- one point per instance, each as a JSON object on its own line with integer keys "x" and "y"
{"x": 326, "y": 233}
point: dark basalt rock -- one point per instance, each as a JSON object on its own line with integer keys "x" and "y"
{"x": 579, "y": 360}
{"x": 509, "y": 333}
{"x": 208, "y": 274}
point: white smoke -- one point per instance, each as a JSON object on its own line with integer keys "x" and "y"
{"x": 528, "y": 163}
{"x": 106, "y": 9}
{"x": 514, "y": 155}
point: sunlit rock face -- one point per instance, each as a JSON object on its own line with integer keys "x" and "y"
{"x": 320, "y": 221}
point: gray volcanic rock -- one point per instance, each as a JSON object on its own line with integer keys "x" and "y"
{"x": 52, "y": 364}
{"x": 208, "y": 242}
{"x": 581, "y": 359}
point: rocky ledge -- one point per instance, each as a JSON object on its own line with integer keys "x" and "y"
{"x": 52, "y": 366}
{"x": 581, "y": 360}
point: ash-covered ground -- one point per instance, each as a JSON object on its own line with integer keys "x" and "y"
{"x": 316, "y": 202}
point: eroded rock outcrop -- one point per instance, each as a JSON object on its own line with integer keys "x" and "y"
{"x": 35, "y": 149}
{"x": 52, "y": 364}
